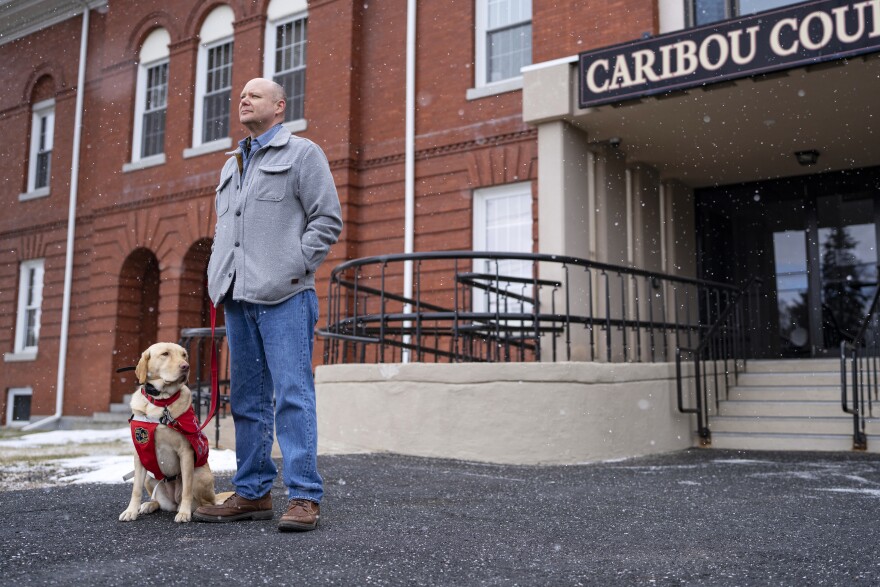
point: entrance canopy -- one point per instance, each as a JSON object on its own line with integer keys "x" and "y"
{"x": 731, "y": 132}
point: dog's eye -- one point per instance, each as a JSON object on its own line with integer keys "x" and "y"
{"x": 165, "y": 354}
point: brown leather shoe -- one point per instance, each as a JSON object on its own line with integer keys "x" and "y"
{"x": 236, "y": 508}
{"x": 301, "y": 515}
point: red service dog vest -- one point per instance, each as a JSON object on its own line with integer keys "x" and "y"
{"x": 143, "y": 436}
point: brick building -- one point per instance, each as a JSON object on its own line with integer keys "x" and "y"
{"x": 106, "y": 235}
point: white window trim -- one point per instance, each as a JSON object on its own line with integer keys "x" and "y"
{"x": 201, "y": 90}
{"x": 483, "y": 88}
{"x": 299, "y": 124}
{"x": 39, "y": 109}
{"x": 139, "y": 109}
{"x": 40, "y": 193}
{"x": 144, "y": 163}
{"x": 10, "y": 396}
{"x": 20, "y": 333}
{"x": 205, "y": 148}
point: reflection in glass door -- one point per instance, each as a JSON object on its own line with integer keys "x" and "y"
{"x": 792, "y": 284}
{"x": 847, "y": 264}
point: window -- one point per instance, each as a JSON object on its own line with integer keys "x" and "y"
{"x": 42, "y": 132}
{"x": 709, "y": 11}
{"x": 218, "y": 92}
{"x": 503, "y": 223}
{"x": 504, "y": 39}
{"x": 213, "y": 83}
{"x": 18, "y": 406}
{"x": 286, "y": 53}
{"x": 152, "y": 98}
{"x": 154, "y": 110}
{"x": 30, "y": 300}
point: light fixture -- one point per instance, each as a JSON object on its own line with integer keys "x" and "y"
{"x": 809, "y": 157}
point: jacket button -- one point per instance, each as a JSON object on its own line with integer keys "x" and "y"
{"x": 236, "y": 243}
{"x": 238, "y": 212}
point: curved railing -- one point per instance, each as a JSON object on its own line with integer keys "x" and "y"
{"x": 495, "y": 306}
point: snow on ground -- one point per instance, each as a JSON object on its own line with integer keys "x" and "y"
{"x": 64, "y": 457}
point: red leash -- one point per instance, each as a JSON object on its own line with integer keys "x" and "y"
{"x": 215, "y": 371}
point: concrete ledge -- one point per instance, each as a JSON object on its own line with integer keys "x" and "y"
{"x": 514, "y": 413}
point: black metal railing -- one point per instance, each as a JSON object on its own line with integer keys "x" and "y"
{"x": 863, "y": 354}
{"x": 717, "y": 359}
{"x": 197, "y": 342}
{"x": 491, "y": 306}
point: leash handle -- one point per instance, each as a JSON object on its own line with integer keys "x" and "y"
{"x": 215, "y": 371}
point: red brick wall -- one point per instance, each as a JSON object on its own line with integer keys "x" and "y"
{"x": 355, "y": 99}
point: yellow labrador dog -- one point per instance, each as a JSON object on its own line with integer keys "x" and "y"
{"x": 167, "y": 439}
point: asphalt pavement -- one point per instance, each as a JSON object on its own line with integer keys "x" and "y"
{"x": 696, "y": 517}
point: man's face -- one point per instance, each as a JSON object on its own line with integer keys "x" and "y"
{"x": 258, "y": 105}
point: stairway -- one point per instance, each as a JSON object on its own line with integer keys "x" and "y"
{"x": 789, "y": 404}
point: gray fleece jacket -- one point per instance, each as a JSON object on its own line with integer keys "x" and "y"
{"x": 275, "y": 228}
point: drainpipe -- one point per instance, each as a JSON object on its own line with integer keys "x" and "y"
{"x": 409, "y": 163}
{"x": 71, "y": 226}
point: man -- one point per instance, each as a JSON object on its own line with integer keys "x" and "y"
{"x": 277, "y": 216}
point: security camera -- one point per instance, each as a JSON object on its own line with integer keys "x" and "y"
{"x": 614, "y": 142}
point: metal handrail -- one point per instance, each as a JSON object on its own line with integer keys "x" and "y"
{"x": 197, "y": 343}
{"x": 470, "y": 306}
{"x": 725, "y": 341}
{"x": 864, "y": 355}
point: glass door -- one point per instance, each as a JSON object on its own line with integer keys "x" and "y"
{"x": 846, "y": 264}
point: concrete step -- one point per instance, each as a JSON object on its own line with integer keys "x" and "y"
{"x": 786, "y": 393}
{"x": 120, "y": 408}
{"x": 842, "y": 424}
{"x": 794, "y": 366}
{"x": 769, "y": 409}
{"x": 749, "y": 379}
{"x": 793, "y": 442}
{"x": 110, "y": 417}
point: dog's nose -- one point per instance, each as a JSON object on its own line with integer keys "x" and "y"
{"x": 184, "y": 366}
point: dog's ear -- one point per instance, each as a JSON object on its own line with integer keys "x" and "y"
{"x": 141, "y": 369}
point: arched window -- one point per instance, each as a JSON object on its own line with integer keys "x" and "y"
{"x": 286, "y": 55}
{"x": 213, "y": 83}
{"x": 151, "y": 99}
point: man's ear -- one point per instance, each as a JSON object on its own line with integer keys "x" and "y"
{"x": 141, "y": 369}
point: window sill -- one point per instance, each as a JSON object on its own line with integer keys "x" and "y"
{"x": 295, "y": 126}
{"x": 502, "y": 87}
{"x": 205, "y": 148}
{"x": 144, "y": 163}
{"x": 39, "y": 193}
{"x": 20, "y": 356}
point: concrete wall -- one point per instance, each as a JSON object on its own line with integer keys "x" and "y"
{"x": 519, "y": 413}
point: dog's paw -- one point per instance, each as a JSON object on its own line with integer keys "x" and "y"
{"x": 128, "y": 516}
{"x": 148, "y": 508}
{"x": 182, "y": 517}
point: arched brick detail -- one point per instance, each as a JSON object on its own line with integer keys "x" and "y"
{"x": 503, "y": 164}
{"x": 31, "y": 246}
{"x": 151, "y": 22}
{"x": 137, "y": 316}
{"x": 47, "y": 69}
{"x": 194, "y": 305}
{"x": 202, "y": 10}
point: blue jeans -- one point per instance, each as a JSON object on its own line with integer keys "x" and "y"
{"x": 270, "y": 350}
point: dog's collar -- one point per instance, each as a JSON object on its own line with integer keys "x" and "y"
{"x": 150, "y": 392}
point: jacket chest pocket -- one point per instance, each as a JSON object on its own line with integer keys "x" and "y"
{"x": 272, "y": 182}
{"x": 221, "y": 201}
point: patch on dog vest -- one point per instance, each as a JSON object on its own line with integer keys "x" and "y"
{"x": 143, "y": 434}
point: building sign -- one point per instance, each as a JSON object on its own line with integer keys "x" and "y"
{"x": 798, "y": 35}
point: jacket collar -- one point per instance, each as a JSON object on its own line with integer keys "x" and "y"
{"x": 280, "y": 139}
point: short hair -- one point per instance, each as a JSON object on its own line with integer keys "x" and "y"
{"x": 280, "y": 94}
